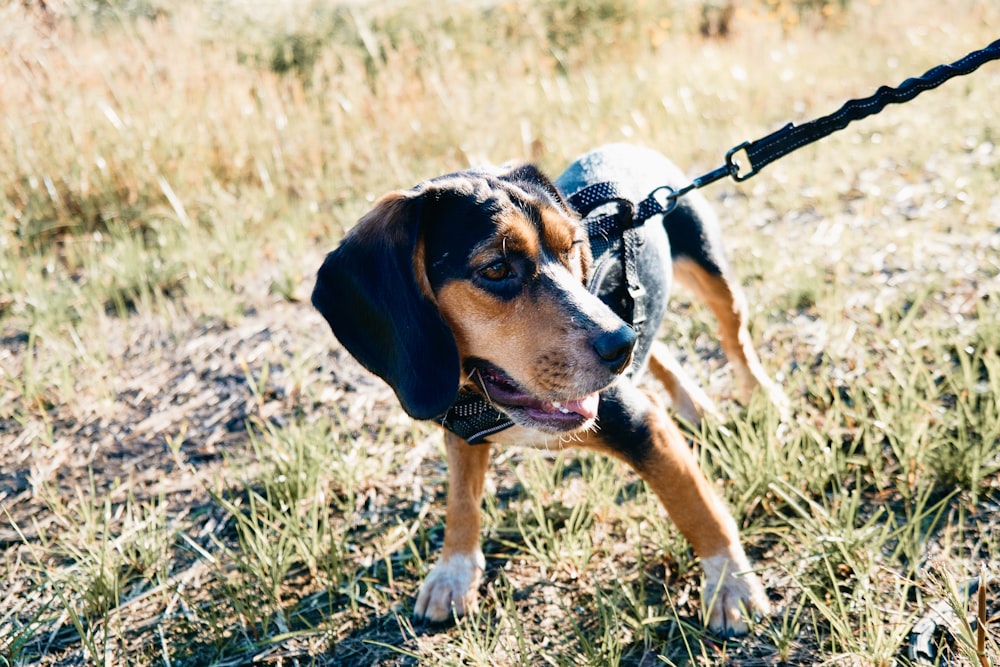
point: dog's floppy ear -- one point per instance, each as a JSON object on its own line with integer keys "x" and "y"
{"x": 368, "y": 292}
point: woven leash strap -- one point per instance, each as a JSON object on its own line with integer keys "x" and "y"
{"x": 763, "y": 151}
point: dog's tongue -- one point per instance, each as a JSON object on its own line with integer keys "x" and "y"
{"x": 586, "y": 407}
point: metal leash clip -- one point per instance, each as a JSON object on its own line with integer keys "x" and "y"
{"x": 734, "y": 167}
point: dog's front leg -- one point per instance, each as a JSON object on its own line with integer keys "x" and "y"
{"x": 453, "y": 585}
{"x": 732, "y": 591}
{"x": 634, "y": 427}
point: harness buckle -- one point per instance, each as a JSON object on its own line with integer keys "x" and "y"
{"x": 638, "y": 295}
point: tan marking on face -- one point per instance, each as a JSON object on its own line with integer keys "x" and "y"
{"x": 478, "y": 318}
{"x": 516, "y": 234}
{"x": 532, "y": 340}
{"x": 558, "y": 233}
{"x": 566, "y": 241}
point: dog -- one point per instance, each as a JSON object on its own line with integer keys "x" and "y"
{"x": 483, "y": 288}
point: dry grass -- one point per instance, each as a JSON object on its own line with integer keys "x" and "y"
{"x": 192, "y": 472}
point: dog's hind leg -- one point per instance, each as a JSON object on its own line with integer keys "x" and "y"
{"x": 726, "y": 301}
{"x": 688, "y": 399}
{"x": 699, "y": 264}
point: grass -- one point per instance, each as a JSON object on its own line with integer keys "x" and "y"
{"x": 192, "y": 472}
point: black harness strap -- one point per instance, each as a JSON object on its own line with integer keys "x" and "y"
{"x": 625, "y": 224}
{"x": 612, "y": 226}
{"x": 598, "y": 194}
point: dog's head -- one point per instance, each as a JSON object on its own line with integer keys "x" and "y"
{"x": 477, "y": 278}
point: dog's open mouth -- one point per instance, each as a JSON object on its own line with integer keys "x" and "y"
{"x": 528, "y": 410}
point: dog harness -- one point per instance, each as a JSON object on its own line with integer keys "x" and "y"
{"x": 613, "y": 223}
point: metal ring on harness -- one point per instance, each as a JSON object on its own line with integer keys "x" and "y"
{"x": 652, "y": 205}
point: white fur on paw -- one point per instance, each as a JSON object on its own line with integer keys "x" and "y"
{"x": 732, "y": 593}
{"x": 451, "y": 588}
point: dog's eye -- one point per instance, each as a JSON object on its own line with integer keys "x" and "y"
{"x": 497, "y": 271}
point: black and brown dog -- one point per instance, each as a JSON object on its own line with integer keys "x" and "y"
{"x": 484, "y": 284}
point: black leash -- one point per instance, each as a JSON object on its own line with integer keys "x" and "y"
{"x": 766, "y": 150}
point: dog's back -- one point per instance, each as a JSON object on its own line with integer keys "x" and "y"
{"x": 636, "y": 169}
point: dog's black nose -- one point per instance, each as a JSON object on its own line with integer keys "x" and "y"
{"x": 615, "y": 347}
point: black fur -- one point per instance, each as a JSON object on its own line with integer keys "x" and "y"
{"x": 623, "y": 415}
{"x": 461, "y": 223}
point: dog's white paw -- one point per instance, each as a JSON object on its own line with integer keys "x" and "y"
{"x": 452, "y": 587}
{"x": 732, "y": 594}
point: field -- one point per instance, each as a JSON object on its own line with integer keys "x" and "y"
{"x": 193, "y": 472}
